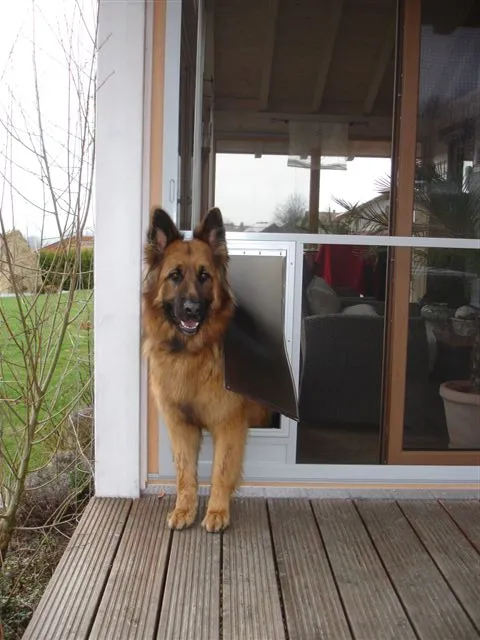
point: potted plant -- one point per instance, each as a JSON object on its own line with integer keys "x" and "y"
{"x": 457, "y": 207}
{"x": 461, "y": 399}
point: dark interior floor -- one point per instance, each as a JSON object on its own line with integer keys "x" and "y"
{"x": 340, "y": 443}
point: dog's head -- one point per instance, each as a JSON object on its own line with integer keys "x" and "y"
{"x": 187, "y": 280}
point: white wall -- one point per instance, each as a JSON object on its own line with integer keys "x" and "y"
{"x": 118, "y": 246}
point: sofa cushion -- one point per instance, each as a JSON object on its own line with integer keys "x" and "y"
{"x": 360, "y": 310}
{"x": 322, "y": 299}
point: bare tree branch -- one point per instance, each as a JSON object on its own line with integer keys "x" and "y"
{"x": 47, "y": 173}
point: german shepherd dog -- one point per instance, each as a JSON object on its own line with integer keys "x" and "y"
{"x": 187, "y": 306}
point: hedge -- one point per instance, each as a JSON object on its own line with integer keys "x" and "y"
{"x": 57, "y": 269}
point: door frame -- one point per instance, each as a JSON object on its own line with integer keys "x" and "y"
{"x": 419, "y": 466}
{"x": 405, "y": 155}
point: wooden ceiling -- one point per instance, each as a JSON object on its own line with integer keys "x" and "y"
{"x": 274, "y": 61}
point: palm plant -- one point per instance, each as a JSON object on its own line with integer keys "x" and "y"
{"x": 475, "y": 372}
{"x": 444, "y": 207}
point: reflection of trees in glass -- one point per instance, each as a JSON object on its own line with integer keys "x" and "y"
{"x": 292, "y": 216}
{"x": 444, "y": 206}
{"x": 292, "y": 213}
{"x": 452, "y": 206}
{"x": 475, "y": 374}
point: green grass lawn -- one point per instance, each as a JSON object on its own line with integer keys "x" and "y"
{"x": 43, "y": 316}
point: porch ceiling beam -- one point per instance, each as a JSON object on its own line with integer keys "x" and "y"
{"x": 331, "y": 29}
{"x": 380, "y": 68}
{"x": 358, "y": 148}
{"x": 240, "y": 116}
{"x": 253, "y": 139}
{"x": 278, "y": 136}
{"x": 268, "y": 51}
{"x": 289, "y": 111}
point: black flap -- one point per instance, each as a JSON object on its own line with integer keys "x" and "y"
{"x": 256, "y": 360}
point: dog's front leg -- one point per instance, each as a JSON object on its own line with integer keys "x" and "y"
{"x": 229, "y": 444}
{"x": 185, "y": 439}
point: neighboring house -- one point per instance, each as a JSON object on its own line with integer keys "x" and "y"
{"x": 368, "y": 217}
{"x": 326, "y": 220}
{"x": 15, "y": 251}
{"x": 86, "y": 242}
{"x": 257, "y": 227}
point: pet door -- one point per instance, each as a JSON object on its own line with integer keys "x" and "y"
{"x": 256, "y": 360}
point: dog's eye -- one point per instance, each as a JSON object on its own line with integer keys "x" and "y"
{"x": 203, "y": 275}
{"x": 175, "y": 275}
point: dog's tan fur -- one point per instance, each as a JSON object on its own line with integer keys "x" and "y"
{"x": 187, "y": 377}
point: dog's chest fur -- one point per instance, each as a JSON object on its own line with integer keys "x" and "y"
{"x": 204, "y": 398}
{"x": 171, "y": 370}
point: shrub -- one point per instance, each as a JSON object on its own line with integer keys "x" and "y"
{"x": 57, "y": 270}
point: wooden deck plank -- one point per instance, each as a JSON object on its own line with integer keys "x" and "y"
{"x": 128, "y": 609}
{"x": 372, "y": 605}
{"x": 251, "y": 603}
{"x": 67, "y": 608}
{"x": 453, "y": 554}
{"x": 305, "y": 574}
{"x": 402, "y": 570}
{"x": 466, "y": 514}
{"x": 191, "y": 606}
{"x": 432, "y": 608}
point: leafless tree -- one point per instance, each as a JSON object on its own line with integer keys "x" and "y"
{"x": 47, "y": 163}
{"x": 293, "y": 212}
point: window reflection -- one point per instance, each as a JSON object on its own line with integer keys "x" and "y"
{"x": 272, "y": 193}
{"x": 447, "y": 191}
{"x": 343, "y": 318}
{"x": 300, "y": 105}
{"x": 443, "y": 409}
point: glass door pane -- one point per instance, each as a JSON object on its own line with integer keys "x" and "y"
{"x": 342, "y": 350}
{"x": 186, "y": 130}
{"x": 442, "y": 406}
{"x": 302, "y": 125}
{"x": 302, "y": 97}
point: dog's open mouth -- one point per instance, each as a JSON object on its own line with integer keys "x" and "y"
{"x": 189, "y": 326}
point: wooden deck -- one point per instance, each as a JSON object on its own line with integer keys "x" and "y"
{"x": 288, "y": 569}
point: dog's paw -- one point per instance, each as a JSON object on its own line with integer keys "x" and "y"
{"x": 216, "y": 520}
{"x": 181, "y": 518}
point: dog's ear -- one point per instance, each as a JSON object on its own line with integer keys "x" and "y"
{"x": 162, "y": 229}
{"x": 212, "y": 231}
{"x": 161, "y": 233}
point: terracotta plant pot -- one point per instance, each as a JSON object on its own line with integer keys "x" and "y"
{"x": 462, "y": 411}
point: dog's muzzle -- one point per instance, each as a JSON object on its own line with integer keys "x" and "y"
{"x": 191, "y": 316}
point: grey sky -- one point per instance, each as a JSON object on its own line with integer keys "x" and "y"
{"x": 248, "y": 189}
{"x": 58, "y": 27}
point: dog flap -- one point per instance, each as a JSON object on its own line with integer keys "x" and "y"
{"x": 256, "y": 362}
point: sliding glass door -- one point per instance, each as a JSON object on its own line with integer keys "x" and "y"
{"x": 434, "y": 412}
{"x": 339, "y": 140}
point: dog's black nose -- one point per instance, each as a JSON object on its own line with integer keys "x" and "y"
{"x": 191, "y": 309}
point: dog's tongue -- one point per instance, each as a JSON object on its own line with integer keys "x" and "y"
{"x": 190, "y": 324}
